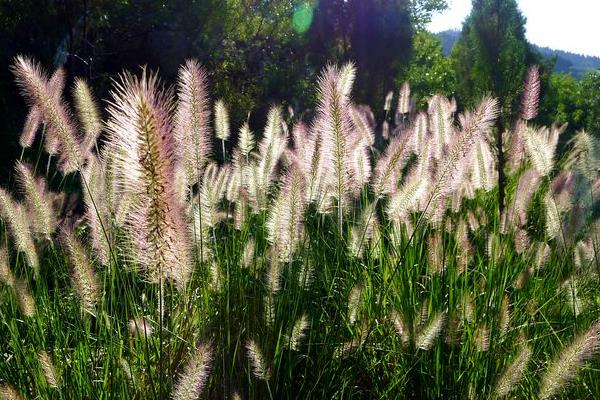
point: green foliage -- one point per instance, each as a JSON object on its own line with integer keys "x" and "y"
{"x": 429, "y": 71}
{"x": 492, "y": 54}
{"x": 422, "y": 10}
{"x": 590, "y": 99}
{"x": 573, "y": 102}
{"x": 561, "y": 96}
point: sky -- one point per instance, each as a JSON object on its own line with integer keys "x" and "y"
{"x": 571, "y": 25}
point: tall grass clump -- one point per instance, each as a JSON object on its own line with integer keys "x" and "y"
{"x": 338, "y": 257}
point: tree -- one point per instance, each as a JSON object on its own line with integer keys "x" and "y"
{"x": 559, "y": 102}
{"x": 429, "y": 71}
{"x": 422, "y": 10}
{"x": 492, "y": 56}
{"x": 375, "y": 34}
{"x": 590, "y": 100}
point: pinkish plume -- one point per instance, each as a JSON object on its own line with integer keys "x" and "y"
{"x": 192, "y": 120}
{"x": 270, "y": 149}
{"x": 100, "y": 206}
{"x": 88, "y": 113}
{"x": 38, "y": 201}
{"x": 334, "y": 123}
{"x": 285, "y": 225}
{"x": 531, "y": 94}
{"x": 484, "y": 171}
{"x": 140, "y": 132}
{"x": 301, "y": 154}
{"x": 440, "y": 121}
{"x": 403, "y": 103}
{"x": 360, "y": 165}
{"x": 540, "y": 146}
{"x": 475, "y": 125}
{"x": 364, "y": 127}
{"x": 45, "y": 95}
{"x": 390, "y": 164}
{"x": 84, "y": 277}
{"x": 32, "y": 125}
{"x": 526, "y": 186}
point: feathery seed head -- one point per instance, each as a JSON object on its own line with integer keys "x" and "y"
{"x": 274, "y": 274}
{"x": 540, "y": 147}
{"x": 563, "y": 369}
{"x": 406, "y": 199}
{"x": 195, "y": 374}
{"x": 46, "y": 96}
{"x": 298, "y": 332}
{"x": 25, "y": 298}
{"x": 355, "y": 299}
{"x": 365, "y": 231}
{"x": 100, "y": 204}
{"x": 347, "y": 75}
{"x": 140, "y": 327}
{"x": 387, "y": 105}
{"x": 140, "y": 131}
{"x": 571, "y": 289}
{"x": 504, "y": 315}
{"x": 513, "y": 372}
{"x": 246, "y": 140}
{"x": 440, "y": 121}
{"x": 31, "y": 127}
{"x": 531, "y": 94}
{"x": 436, "y": 264}
{"x": 467, "y": 308}
{"x": 49, "y": 369}
{"x": 8, "y": 392}
{"x": 427, "y": 336}
{"x": 285, "y": 224}
{"x": 482, "y": 338}
{"x": 364, "y": 128}
{"x": 259, "y": 365}
{"x": 455, "y": 161}
{"x": 38, "y": 200}
{"x": 192, "y": 117}
{"x": 401, "y": 327}
{"x": 404, "y": 99}
{"x": 84, "y": 277}
{"x": 15, "y": 216}
{"x": 334, "y": 124}
{"x": 248, "y": 255}
{"x": 6, "y": 275}
{"x": 87, "y": 111}
{"x": 389, "y": 165}
{"x": 222, "y": 129}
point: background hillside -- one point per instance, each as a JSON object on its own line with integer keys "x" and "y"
{"x": 566, "y": 62}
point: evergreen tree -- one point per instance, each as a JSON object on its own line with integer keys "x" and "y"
{"x": 492, "y": 56}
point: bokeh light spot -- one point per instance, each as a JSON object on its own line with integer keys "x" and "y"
{"x": 302, "y": 18}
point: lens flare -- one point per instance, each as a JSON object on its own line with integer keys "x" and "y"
{"x": 302, "y": 17}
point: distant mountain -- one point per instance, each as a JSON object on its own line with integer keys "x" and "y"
{"x": 566, "y": 62}
{"x": 449, "y": 39}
